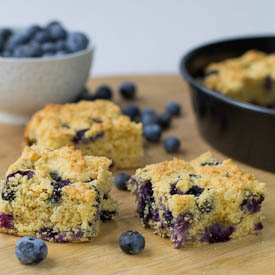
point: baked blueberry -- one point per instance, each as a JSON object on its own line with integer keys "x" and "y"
{"x": 103, "y": 92}
{"x": 152, "y": 132}
{"x": 76, "y": 41}
{"x": 173, "y": 108}
{"x": 164, "y": 120}
{"x": 120, "y": 180}
{"x": 132, "y": 111}
{"x": 171, "y": 144}
{"x": 31, "y": 250}
{"x": 128, "y": 90}
{"x": 131, "y": 242}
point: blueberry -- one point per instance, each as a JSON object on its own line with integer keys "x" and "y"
{"x": 131, "y": 242}
{"x": 103, "y": 92}
{"x": 60, "y": 53}
{"x": 57, "y": 32}
{"x": 128, "y": 90}
{"x": 76, "y": 41}
{"x": 149, "y": 119}
{"x": 132, "y": 111}
{"x": 84, "y": 95}
{"x": 148, "y": 112}
{"x": 60, "y": 45}
{"x": 32, "y": 30}
{"x": 171, "y": 144}
{"x": 195, "y": 191}
{"x": 6, "y": 54}
{"x": 5, "y": 33}
{"x": 31, "y": 250}
{"x": 173, "y": 108}
{"x": 17, "y": 39}
{"x": 42, "y": 36}
{"x": 164, "y": 120}
{"x": 152, "y": 132}
{"x": 48, "y": 47}
{"x": 53, "y": 23}
{"x": 120, "y": 181}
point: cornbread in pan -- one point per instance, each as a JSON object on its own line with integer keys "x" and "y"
{"x": 95, "y": 127}
{"x": 58, "y": 195}
{"x": 250, "y": 77}
{"x": 198, "y": 202}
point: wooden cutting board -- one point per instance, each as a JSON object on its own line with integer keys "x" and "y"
{"x": 251, "y": 255}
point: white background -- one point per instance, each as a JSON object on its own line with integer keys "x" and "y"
{"x": 145, "y": 36}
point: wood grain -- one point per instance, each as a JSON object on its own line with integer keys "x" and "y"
{"x": 251, "y": 255}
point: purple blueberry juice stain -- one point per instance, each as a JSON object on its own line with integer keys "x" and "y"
{"x": 6, "y": 221}
{"x": 80, "y": 138}
{"x": 268, "y": 83}
{"x": 180, "y": 228}
{"x": 258, "y": 226}
{"x": 27, "y": 173}
{"x": 217, "y": 233}
{"x": 252, "y": 204}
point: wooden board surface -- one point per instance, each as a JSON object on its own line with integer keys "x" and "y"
{"x": 251, "y": 255}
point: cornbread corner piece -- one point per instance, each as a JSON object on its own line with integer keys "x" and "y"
{"x": 95, "y": 127}
{"x": 57, "y": 195}
{"x": 250, "y": 77}
{"x": 198, "y": 202}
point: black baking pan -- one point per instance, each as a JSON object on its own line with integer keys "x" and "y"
{"x": 241, "y": 130}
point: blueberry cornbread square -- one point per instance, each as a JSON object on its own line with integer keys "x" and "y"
{"x": 95, "y": 127}
{"x": 198, "y": 202}
{"x": 250, "y": 77}
{"x": 58, "y": 195}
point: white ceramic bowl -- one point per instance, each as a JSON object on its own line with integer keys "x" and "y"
{"x": 28, "y": 84}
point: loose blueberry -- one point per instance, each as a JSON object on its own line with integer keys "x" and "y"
{"x": 84, "y": 94}
{"x": 132, "y": 111}
{"x": 149, "y": 119}
{"x": 131, "y": 242}
{"x": 103, "y": 92}
{"x": 171, "y": 144}
{"x": 17, "y": 39}
{"x": 120, "y": 181}
{"x": 148, "y": 112}
{"x": 128, "y": 90}
{"x": 42, "y": 36}
{"x": 5, "y": 33}
{"x": 31, "y": 250}
{"x": 76, "y": 41}
{"x": 32, "y": 30}
{"x": 164, "y": 120}
{"x": 53, "y": 23}
{"x": 152, "y": 132}
{"x": 173, "y": 108}
{"x": 60, "y": 45}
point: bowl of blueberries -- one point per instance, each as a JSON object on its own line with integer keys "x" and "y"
{"x": 40, "y": 65}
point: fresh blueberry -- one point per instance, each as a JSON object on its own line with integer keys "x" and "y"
{"x": 76, "y": 41}
{"x": 60, "y": 45}
{"x": 103, "y": 92}
{"x": 31, "y": 250}
{"x": 84, "y": 94}
{"x": 148, "y": 112}
{"x": 42, "y": 36}
{"x": 5, "y": 33}
{"x": 48, "y": 47}
{"x": 32, "y": 30}
{"x": 152, "y": 132}
{"x": 120, "y": 181}
{"x": 60, "y": 53}
{"x": 171, "y": 144}
{"x": 164, "y": 120}
{"x": 149, "y": 119}
{"x": 131, "y": 242}
{"x": 53, "y": 23}
{"x": 6, "y": 54}
{"x": 128, "y": 90}
{"x": 173, "y": 108}
{"x": 29, "y": 50}
{"x": 132, "y": 111}
{"x": 57, "y": 32}
{"x": 20, "y": 51}
{"x": 17, "y": 39}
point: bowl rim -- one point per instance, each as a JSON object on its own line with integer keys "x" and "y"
{"x": 89, "y": 49}
{"x": 191, "y": 80}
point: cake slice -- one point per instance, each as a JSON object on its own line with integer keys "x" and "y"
{"x": 95, "y": 127}
{"x": 197, "y": 202}
{"x": 57, "y": 195}
{"x": 250, "y": 77}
